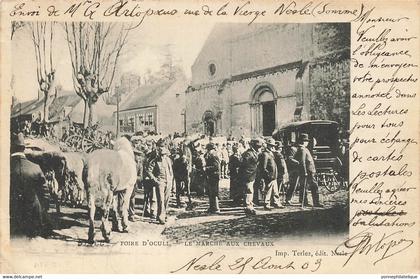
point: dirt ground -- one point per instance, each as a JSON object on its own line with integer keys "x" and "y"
{"x": 71, "y": 225}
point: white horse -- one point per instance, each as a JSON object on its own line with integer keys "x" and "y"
{"x": 109, "y": 177}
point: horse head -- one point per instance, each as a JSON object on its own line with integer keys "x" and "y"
{"x": 123, "y": 144}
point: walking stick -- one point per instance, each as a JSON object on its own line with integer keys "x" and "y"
{"x": 304, "y": 193}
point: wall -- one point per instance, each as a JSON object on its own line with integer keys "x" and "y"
{"x": 318, "y": 79}
{"x": 170, "y": 108}
{"x": 138, "y": 124}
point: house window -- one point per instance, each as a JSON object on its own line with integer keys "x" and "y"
{"x": 121, "y": 125}
{"x": 141, "y": 119}
{"x": 150, "y": 118}
{"x": 131, "y": 121}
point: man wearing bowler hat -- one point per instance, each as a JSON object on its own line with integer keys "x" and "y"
{"x": 212, "y": 172}
{"x": 307, "y": 171}
{"x": 28, "y": 193}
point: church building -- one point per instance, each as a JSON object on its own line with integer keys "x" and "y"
{"x": 252, "y": 79}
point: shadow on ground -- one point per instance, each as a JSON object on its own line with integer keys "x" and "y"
{"x": 327, "y": 221}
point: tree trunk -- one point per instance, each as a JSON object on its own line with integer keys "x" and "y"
{"x": 91, "y": 112}
{"x": 46, "y": 107}
{"x": 85, "y": 114}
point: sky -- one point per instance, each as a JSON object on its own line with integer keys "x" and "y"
{"x": 145, "y": 49}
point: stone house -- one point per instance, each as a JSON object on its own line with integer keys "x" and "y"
{"x": 158, "y": 108}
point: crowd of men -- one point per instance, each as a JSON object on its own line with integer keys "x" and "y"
{"x": 258, "y": 170}
{"x": 255, "y": 168}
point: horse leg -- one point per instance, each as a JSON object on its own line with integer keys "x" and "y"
{"x": 57, "y": 203}
{"x": 116, "y": 225}
{"x": 106, "y": 232}
{"x": 125, "y": 200}
{"x": 91, "y": 234}
{"x": 80, "y": 187}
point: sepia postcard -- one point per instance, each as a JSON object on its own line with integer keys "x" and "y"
{"x": 209, "y": 137}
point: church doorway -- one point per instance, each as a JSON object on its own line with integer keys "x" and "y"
{"x": 263, "y": 110}
{"x": 209, "y": 121}
{"x": 268, "y": 118}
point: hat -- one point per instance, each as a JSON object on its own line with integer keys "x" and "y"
{"x": 160, "y": 143}
{"x": 18, "y": 140}
{"x": 303, "y": 137}
{"x": 271, "y": 142}
{"x": 256, "y": 142}
{"x": 279, "y": 143}
{"x": 210, "y": 146}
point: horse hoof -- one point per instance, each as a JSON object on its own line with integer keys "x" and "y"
{"x": 107, "y": 239}
{"x": 91, "y": 241}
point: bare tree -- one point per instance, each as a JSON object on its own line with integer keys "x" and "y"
{"x": 42, "y": 34}
{"x": 16, "y": 25}
{"x": 94, "y": 50}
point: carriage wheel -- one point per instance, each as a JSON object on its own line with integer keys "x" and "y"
{"x": 332, "y": 184}
{"x": 90, "y": 144}
{"x": 74, "y": 142}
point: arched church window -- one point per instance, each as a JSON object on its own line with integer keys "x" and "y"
{"x": 212, "y": 69}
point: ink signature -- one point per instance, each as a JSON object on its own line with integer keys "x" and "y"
{"x": 210, "y": 262}
{"x": 381, "y": 248}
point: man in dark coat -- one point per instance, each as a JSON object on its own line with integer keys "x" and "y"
{"x": 29, "y": 198}
{"x": 149, "y": 205}
{"x": 181, "y": 169}
{"x": 283, "y": 176}
{"x": 236, "y": 190}
{"x": 293, "y": 170}
{"x": 248, "y": 172}
{"x": 213, "y": 176}
{"x": 307, "y": 171}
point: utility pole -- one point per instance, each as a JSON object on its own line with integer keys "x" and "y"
{"x": 118, "y": 112}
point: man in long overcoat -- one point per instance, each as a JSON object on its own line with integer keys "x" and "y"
{"x": 29, "y": 197}
{"x": 213, "y": 175}
{"x": 307, "y": 171}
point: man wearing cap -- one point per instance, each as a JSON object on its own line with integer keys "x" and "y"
{"x": 160, "y": 172}
{"x": 213, "y": 176}
{"x": 269, "y": 175}
{"x": 29, "y": 196}
{"x": 307, "y": 171}
{"x": 248, "y": 172}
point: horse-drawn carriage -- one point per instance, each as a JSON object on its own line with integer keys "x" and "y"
{"x": 325, "y": 147}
